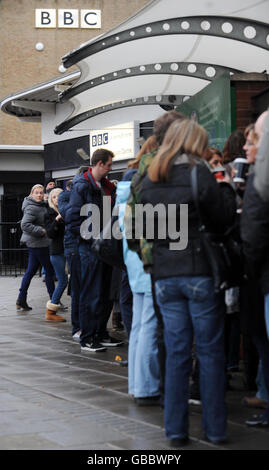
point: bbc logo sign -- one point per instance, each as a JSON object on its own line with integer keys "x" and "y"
{"x": 99, "y": 139}
{"x": 67, "y": 18}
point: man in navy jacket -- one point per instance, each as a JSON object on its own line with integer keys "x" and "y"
{"x": 72, "y": 257}
{"x": 88, "y": 195}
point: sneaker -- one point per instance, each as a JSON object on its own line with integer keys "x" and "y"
{"x": 195, "y": 398}
{"x": 193, "y": 401}
{"x": 178, "y": 442}
{"x": 258, "y": 421}
{"x": 76, "y": 336}
{"x": 254, "y": 402}
{"x": 110, "y": 341}
{"x": 216, "y": 442}
{"x": 93, "y": 347}
{"x": 148, "y": 401}
{"x": 62, "y": 307}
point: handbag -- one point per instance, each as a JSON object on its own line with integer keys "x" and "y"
{"x": 223, "y": 251}
{"x": 108, "y": 247}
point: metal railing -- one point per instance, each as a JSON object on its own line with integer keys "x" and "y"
{"x": 13, "y": 256}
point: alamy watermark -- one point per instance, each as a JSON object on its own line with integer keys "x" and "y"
{"x": 149, "y": 222}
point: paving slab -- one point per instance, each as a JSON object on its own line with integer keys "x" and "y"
{"x": 55, "y": 397}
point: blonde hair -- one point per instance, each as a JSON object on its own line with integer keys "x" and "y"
{"x": 36, "y": 186}
{"x": 250, "y": 133}
{"x": 51, "y": 203}
{"x": 148, "y": 146}
{"x": 184, "y": 136}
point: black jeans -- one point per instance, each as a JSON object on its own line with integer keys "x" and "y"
{"x": 73, "y": 261}
{"x": 126, "y": 302}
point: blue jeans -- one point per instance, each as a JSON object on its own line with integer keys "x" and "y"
{"x": 190, "y": 307}
{"x": 95, "y": 306}
{"x": 266, "y": 312}
{"x": 143, "y": 364}
{"x": 73, "y": 261}
{"x": 262, "y": 344}
{"x": 58, "y": 263}
{"x": 36, "y": 257}
{"x": 262, "y": 392}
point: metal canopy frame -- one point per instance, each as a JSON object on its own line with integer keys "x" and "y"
{"x": 204, "y": 71}
{"x": 240, "y": 29}
{"x": 165, "y": 100}
{"x": 234, "y": 28}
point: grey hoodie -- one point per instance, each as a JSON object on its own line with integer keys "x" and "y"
{"x": 33, "y": 223}
{"x": 261, "y": 179}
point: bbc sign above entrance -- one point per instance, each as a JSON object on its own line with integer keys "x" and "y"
{"x": 121, "y": 139}
{"x": 67, "y": 18}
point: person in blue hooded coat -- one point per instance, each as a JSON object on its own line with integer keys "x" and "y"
{"x": 143, "y": 363}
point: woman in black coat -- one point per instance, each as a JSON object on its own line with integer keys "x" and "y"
{"x": 183, "y": 278}
{"x": 55, "y": 231}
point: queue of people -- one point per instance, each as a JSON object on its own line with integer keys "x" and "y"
{"x": 170, "y": 309}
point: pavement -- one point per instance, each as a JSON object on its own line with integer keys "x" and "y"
{"x": 55, "y": 397}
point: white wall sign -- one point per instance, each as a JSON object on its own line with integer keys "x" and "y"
{"x": 90, "y": 19}
{"x": 45, "y": 18}
{"x": 67, "y": 18}
{"x": 121, "y": 140}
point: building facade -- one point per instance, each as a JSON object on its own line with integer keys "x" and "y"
{"x": 76, "y": 75}
{"x": 117, "y": 58}
{"x": 31, "y": 53}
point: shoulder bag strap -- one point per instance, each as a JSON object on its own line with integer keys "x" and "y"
{"x": 195, "y": 194}
{"x": 194, "y": 188}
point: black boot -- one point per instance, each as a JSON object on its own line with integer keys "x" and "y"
{"x": 22, "y": 305}
{"x": 117, "y": 324}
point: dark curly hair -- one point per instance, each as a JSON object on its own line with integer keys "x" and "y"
{"x": 233, "y": 147}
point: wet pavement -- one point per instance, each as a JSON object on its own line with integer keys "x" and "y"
{"x": 55, "y": 397}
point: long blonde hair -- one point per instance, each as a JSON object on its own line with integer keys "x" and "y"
{"x": 51, "y": 203}
{"x": 184, "y": 136}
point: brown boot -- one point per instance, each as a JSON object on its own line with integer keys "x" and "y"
{"x": 51, "y": 313}
{"x": 254, "y": 402}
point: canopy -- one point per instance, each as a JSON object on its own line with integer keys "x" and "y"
{"x": 164, "y": 54}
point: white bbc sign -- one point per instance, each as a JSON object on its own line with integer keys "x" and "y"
{"x": 67, "y": 18}
{"x": 120, "y": 139}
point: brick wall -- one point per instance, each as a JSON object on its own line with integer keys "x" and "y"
{"x": 22, "y": 66}
{"x": 245, "y": 91}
